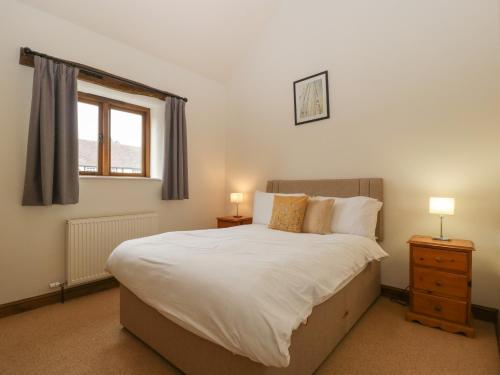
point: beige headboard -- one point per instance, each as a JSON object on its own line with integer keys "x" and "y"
{"x": 344, "y": 188}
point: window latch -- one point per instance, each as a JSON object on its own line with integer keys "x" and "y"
{"x": 100, "y": 138}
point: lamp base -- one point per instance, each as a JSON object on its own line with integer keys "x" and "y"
{"x": 237, "y": 216}
{"x": 441, "y": 238}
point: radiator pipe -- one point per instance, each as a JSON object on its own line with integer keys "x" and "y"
{"x": 62, "y": 292}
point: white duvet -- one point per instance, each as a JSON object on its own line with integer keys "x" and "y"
{"x": 246, "y": 288}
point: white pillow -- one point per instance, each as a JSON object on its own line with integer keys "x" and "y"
{"x": 263, "y": 206}
{"x": 355, "y": 215}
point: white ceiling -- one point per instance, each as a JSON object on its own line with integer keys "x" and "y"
{"x": 206, "y": 36}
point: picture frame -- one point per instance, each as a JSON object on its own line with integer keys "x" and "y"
{"x": 311, "y": 99}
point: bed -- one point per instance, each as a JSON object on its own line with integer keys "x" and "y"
{"x": 193, "y": 348}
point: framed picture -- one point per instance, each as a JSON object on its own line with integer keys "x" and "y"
{"x": 310, "y": 97}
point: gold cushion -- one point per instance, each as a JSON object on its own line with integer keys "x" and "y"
{"x": 318, "y": 217}
{"x": 288, "y": 213}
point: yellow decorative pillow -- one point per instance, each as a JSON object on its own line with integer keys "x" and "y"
{"x": 288, "y": 213}
{"x": 318, "y": 217}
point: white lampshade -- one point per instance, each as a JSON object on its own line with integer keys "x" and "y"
{"x": 236, "y": 197}
{"x": 442, "y": 206}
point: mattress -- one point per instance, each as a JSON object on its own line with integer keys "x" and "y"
{"x": 244, "y": 288}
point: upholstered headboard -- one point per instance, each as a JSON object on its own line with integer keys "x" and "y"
{"x": 344, "y": 188}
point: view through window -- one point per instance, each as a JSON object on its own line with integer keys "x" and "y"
{"x": 126, "y": 142}
{"x": 88, "y": 137}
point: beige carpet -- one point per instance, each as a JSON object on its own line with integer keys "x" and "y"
{"x": 84, "y": 336}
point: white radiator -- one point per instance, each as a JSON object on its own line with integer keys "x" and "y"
{"x": 89, "y": 242}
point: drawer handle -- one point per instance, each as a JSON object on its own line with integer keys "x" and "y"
{"x": 438, "y": 308}
{"x": 421, "y": 258}
{"x": 439, "y": 283}
{"x": 438, "y": 259}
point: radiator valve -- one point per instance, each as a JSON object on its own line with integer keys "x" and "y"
{"x": 56, "y": 284}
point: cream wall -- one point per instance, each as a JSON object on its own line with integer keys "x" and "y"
{"x": 414, "y": 89}
{"x": 32, "y": 238}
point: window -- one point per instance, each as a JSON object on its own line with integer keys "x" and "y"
{"x": 113, "y": 137}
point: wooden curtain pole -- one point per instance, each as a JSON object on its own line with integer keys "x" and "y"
{"x": 100, "y": 77}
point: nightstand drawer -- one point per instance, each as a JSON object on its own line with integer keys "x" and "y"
{"x": 226, "y": 224}
{"x": 439, "y": 307}
{"x": 233, "y": 221}
{"x": 446, "y": 283}
{"x": 447, "y": 260}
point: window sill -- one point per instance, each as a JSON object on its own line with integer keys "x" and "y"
{"x": 119, "y": 178}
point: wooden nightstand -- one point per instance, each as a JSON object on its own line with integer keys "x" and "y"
{"x": 440, "y": 284}
{"x": 231, "y": 221}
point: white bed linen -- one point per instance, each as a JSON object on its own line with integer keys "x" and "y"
{"x": 245, "y": 288}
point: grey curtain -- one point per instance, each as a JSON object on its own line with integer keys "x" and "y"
{"x": 52, "y": 159}
{"x": 175, "y": 169}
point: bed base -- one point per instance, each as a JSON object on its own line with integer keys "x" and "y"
{"x": 311, "y": 342}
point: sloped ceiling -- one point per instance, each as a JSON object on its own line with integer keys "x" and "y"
{"x": 209, "y": 37}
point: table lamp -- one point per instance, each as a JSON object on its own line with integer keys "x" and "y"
{"x": 441, "y": 207}
{"x": 236, "y": 198}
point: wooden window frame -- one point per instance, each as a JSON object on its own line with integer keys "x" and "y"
{"x": 105, "y": 106}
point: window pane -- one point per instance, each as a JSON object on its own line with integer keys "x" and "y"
{"x": 88, "y": 131}
{"x": 126, "y": 142}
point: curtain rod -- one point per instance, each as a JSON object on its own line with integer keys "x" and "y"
{"x": 100, "y": 77}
